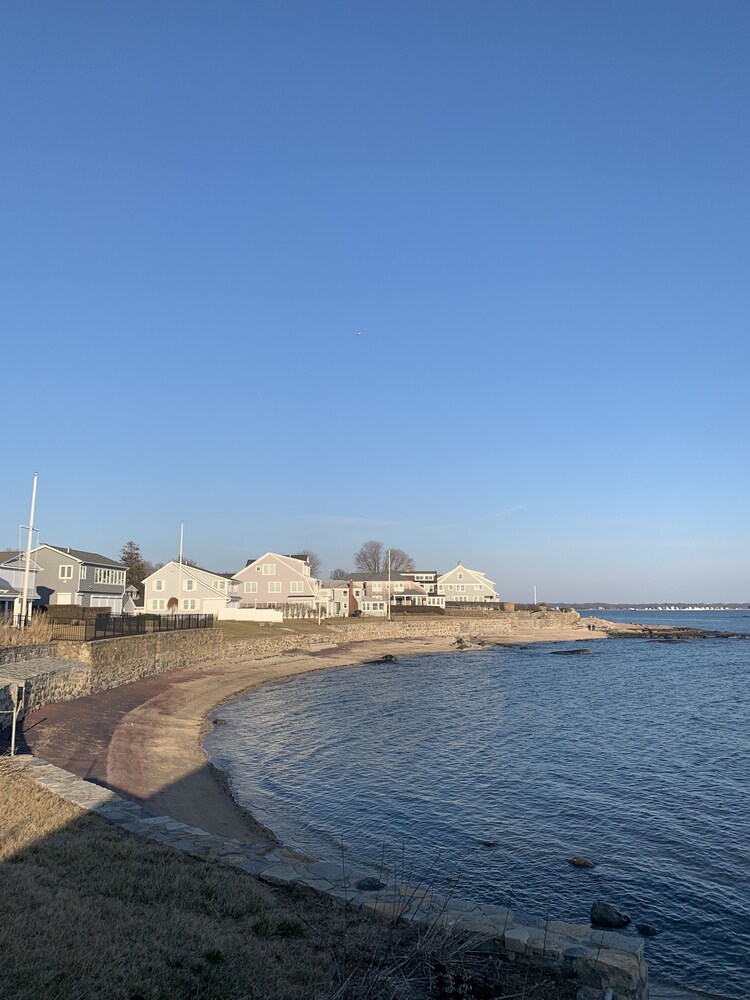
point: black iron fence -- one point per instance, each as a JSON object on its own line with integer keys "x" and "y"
{"x": 111, "y": 626}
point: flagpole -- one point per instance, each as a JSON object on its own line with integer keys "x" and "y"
{"x": 179, "y": 583}
{"x": 25, "y": 604}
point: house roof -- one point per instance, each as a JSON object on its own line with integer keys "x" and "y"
{"x": 186, "y": 567}
{"x": 303, "y": 557}
{"x": 398, "y": 577}
{"x": 81, "y": 555}
{"x": 5, "y": 556}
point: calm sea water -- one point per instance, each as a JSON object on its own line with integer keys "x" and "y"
{"x": 637, "y": 756}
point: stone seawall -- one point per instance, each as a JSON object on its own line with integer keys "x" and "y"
{"x": 63, "y": 670}
{"x": 599, "y": 962}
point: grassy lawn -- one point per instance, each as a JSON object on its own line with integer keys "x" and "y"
{"x": 91, "y": 911}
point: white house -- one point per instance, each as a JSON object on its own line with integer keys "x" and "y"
{"x": 12, "y": 569}
{"x": 464, "y": 584}
{"x": 188, "y": 590}
{"x": 333, "y": 597}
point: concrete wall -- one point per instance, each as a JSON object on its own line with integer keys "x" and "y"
{"x": 249, "y": 615}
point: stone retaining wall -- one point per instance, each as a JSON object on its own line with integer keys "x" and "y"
{"x": 107, "y": 663}
{"x": 595, "y": 960}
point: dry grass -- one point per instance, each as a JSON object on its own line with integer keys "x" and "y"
{"x": 38, "y": 630}
{"x": 94, "y": 912}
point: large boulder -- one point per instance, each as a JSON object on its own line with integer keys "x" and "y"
{"x": 606, "y": 915}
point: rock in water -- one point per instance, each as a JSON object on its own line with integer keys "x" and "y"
{"x": 646, "y": 930}
{"x": 370, "y": 884}
{"x": 579, "y": 862}
{"x": 571, "y": 652}
{"x": 605, "y": 915}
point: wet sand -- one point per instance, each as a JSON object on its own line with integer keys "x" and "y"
{"x": 143, "y": 739}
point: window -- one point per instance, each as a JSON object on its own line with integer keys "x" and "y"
{"x": 297, "y": 586}
{"x": 269, "y": 569}
{"x": 274, "y": 587}
{"x": 158, "y": 585}
{"x": 449, "y": 587}
{"x": 461, "y": 586}
{"x": 377, "y": 586}
{"x": 478, "y": 586}
{"x": 220, "y": 584}
{"x": 188, "y": 584}
{"x": 83, "y": 572}
{"x": 460, "y": 576}
{"x": 188, "y": 604}
{"x": 157, "y": 605}
{"x": 66, "y": 573}
{"x": 251, "y": 588}
{"x": 110, "y": 577}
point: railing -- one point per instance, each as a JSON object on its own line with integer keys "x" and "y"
{"x": 113, "y": 626}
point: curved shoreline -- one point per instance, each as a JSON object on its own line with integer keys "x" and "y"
{"x": 143, "y": 739}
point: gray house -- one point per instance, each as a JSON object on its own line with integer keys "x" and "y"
{"x": 71, "y": 576}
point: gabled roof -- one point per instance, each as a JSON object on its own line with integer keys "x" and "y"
{"x": 81, "y": 556}
{"x": 186, "y": 567}
{"x": 19, "y": 558}
{"x": 277, "y": 555}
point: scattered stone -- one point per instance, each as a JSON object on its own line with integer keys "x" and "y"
{"x": 646, "y": 930}
{"x": 219, "y": 722}
{"x": 606, "y": 915}
{"x": 579, "y": 862}
{"x": 571, "y": 652}
{"x": 387, "y": 658}
{"x": 370, "y": 884}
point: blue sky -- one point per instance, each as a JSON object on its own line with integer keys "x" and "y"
{"x": 536, "y": 213}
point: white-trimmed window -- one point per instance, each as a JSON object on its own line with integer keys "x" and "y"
{"x": 157, "y": 605}
{"x": 274, "y": 587}
{"x": 188, "y": 585}
{"x": 66, "y": 573}
{"x": 158, "y": 585}
{"x": 478, "y": 586}
{"x": 110, "y": 577}
{"x": 297, "y": 587}
{"x": 268, "y": 569}
{"x": 461, "y": 586}
{"x": 460, "y": 576}
{"x": 83, "y": 572}
{"x": 188, "y": 604}
{"x": 449, "y": 587}
{"x": 251, "y": 588}
{"x": 220, "y": 584}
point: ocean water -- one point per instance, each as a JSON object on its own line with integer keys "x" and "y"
{"x": 636, "y": 756}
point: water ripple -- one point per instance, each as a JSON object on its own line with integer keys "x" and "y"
{"x": 637, "y": 756}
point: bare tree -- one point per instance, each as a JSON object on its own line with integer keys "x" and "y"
{"x": 369, "y": 559}
{"x": 314, "y": 559}
{"x": 340, "y": 574}
{"x": 401, "y": 562}
{"x": 373, "y": 558}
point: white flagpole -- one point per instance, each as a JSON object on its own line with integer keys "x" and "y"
{"x": 389, "y": 584}
{"x": 25, "y": 603}
{"x": 179, "y": 583}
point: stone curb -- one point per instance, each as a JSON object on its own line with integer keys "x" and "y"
{"x": 596, "y": 960}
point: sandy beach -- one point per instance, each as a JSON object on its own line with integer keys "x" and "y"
{"x": 143, "y": 739}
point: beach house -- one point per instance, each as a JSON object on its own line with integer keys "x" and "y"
{"x": 464, "y": 584}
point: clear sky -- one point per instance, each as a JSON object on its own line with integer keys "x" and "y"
{"x": 536, "y": 214}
